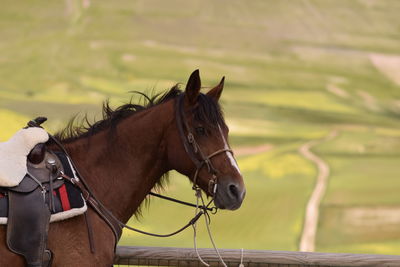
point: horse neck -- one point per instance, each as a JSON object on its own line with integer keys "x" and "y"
{"x": 122, "y": 166}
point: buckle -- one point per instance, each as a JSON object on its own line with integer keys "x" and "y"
{"x": 86, "y": 198}
{"x": 190, "y": 138}
{"x": 212, "y": 186}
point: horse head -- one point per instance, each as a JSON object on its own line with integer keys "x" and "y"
{"x": 200, "y": 148}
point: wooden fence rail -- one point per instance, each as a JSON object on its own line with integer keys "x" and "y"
{"x": 168, "y": 256}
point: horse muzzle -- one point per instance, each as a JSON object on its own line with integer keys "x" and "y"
{"x": 229, "y": 195}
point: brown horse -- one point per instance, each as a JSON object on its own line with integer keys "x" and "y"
{"x": 123, "y": 156}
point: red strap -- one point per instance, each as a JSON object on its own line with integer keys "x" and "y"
{"x": 64, "y": 198}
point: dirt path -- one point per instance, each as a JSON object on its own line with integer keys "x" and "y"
{"x": 388, "y": 65}
{"x": 307, "y": 241}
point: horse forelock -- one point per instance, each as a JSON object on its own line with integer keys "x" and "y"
{"x": 208, "y": 112}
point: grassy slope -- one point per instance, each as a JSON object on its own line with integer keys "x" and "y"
{"x": 281, "y": 59}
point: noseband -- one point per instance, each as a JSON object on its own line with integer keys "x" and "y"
{"x": 193, "y": 149}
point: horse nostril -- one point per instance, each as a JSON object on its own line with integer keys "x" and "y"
{"x": 234, "y": 191}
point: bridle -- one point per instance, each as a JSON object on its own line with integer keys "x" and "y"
{"x": 194, "y": 151}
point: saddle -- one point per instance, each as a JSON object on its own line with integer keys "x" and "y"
{"x": 33, "y": 201}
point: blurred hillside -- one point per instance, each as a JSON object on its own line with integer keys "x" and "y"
{"x": 295, "y": 71}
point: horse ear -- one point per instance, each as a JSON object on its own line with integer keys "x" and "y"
{"x": 193, "y": 86}
{"x": 217, "y": 90}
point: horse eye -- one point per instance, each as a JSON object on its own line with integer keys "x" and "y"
{"x": 200, "y": 131}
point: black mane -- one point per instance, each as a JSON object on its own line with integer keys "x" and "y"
{"x": 207, "y": 112}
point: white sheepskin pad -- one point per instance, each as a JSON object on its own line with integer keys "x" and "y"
{"x": 64, "y": 215}
{"x": 14, "y": 152}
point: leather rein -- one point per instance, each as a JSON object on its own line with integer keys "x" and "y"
{"x": 194, "y": 152}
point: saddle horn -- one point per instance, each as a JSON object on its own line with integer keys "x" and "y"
{"x": 37, "y": 153}
{"x": 36, "y": 122}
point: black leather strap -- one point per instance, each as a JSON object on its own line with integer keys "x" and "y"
{"x": 89, "y": 196}
{"x": 183, "y": 126}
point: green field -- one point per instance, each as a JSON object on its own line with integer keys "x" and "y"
{"x": 295, "y": 71}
